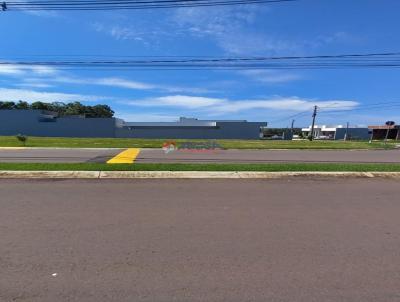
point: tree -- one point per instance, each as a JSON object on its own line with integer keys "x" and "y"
{"x": 40, "y": 106}
{"x": 7, "y": 105}
{"x": 22, "y": 138}
{"x": 101, "y": 111}
{"x": 22, "y": 105}
{"x": 58, "y": 107}
{"x": 75, "y": 108}
{"x": 62, "y": 109}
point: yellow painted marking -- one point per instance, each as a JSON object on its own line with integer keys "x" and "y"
{"x": 127, "y": 156}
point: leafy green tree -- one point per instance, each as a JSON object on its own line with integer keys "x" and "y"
{"x": 22, "y": 105}
{"x": 101, "y": 111}
{"x": 7, "y": 105}
{"x": 22, "y": 138}
{"x": 75, "y": 108}
{"x": 58, "y": 107}
{"x": 40, "y": 106}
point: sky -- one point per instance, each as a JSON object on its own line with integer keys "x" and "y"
{"x": 302, "y": 28}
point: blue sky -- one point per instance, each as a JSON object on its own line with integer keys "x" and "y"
{"x": 306, "y": 27}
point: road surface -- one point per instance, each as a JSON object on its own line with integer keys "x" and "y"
{"x": 268, "y": 156}
{"x": 56, "y": 155}
{"x": 200, "y": 240}
{"x": 217, "y": 156}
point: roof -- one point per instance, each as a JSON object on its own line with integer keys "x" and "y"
{"x": 384, "y": 127}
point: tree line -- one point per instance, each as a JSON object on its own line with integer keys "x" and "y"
{"x": 62, "y": 109}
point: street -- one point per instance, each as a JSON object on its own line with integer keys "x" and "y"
{"x": 294, "y": 239}
{"x": 77, "y": 155}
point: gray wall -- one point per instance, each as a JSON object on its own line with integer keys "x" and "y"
{"x": 32, "y": 123}
{"x": 353, "y": 134}
{"x": 224, "y": 130}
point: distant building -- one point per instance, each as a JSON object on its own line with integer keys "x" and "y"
{"x": 43, "y": 123}
{"x": 277, "y": 133}
{"x": 191, "y": 128}
{"x": 337, "y": 132}
{"x": 380, "y": 132}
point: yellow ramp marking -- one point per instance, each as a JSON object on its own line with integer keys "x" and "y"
{"x": 127, "y": 156}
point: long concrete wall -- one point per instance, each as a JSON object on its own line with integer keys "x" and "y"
{"x": 223, "y": 130}
{"x": 353, "y": 133}
{"x": 34, "y": 123}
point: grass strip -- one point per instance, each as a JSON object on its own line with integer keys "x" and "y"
{"x": 272, "y": 167}
{"x": 70, "y": 142}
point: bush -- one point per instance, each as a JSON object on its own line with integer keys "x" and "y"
{"x": 22, "y": 138}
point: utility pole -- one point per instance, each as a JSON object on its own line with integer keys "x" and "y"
{"x": 389, "y": 125}
{"x": 347, "y": 131}
{"x": 291, "y": 129}
{"x": 313, "y": 122}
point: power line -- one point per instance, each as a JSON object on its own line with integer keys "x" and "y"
{"x": 377, "y": 108}
{"x": 371, "y": 60}
{"x": 372, "y": 106}
{"x": 78, "y": 5}
{"x": 342, "y": 110}
{"x": 290, "y": 116}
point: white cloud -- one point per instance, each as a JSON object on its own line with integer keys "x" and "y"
{"x": 18, "y": 70}
{"x": 183, "y": 101}
{"x": 118, "y": 82}
{"x": 116, "y": 31}
{"x": 232, "y": 28}
{"x": 34, "y": 85}
{"x": 271, "y": 76}
{"x": 148, "y": 117}
{"x": 287, "y": 104}
{"x": 125, "y": 83}
{"x": 39, "y": 96}
{"x": 10, "y": 70}
{"x": 216, "y": 106}
{"x": 128, "y": 29}
{"x": 52, "y": 14}
{"x": 43, "y": 70}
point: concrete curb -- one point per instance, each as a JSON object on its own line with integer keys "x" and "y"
{"x": 49, "y": 174}
{"x": 187, "y": 174}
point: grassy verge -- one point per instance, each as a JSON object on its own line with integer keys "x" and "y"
{"x": 11, "y": 141}
{"x": 273, "y": 167}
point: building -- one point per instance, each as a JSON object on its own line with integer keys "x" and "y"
{"x": 337, "y": 132}
{"x": 43, "y": 123}
{"x": 191, "y": 128}
{"x": 277, "y": 133}
{"x": 380, "y": 132}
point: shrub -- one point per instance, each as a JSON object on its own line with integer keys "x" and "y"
{"x": 22, "y": 138}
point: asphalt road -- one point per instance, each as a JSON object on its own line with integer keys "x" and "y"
{"x": 48, "y": 155}
{"x": 200, "y": 240}
{"x": 217, "y": 156}
{"x": 266, "y": 156}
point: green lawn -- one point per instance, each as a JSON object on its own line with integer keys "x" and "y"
{"x": 11, "y": 141}
{"x": 274, "y": 167}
